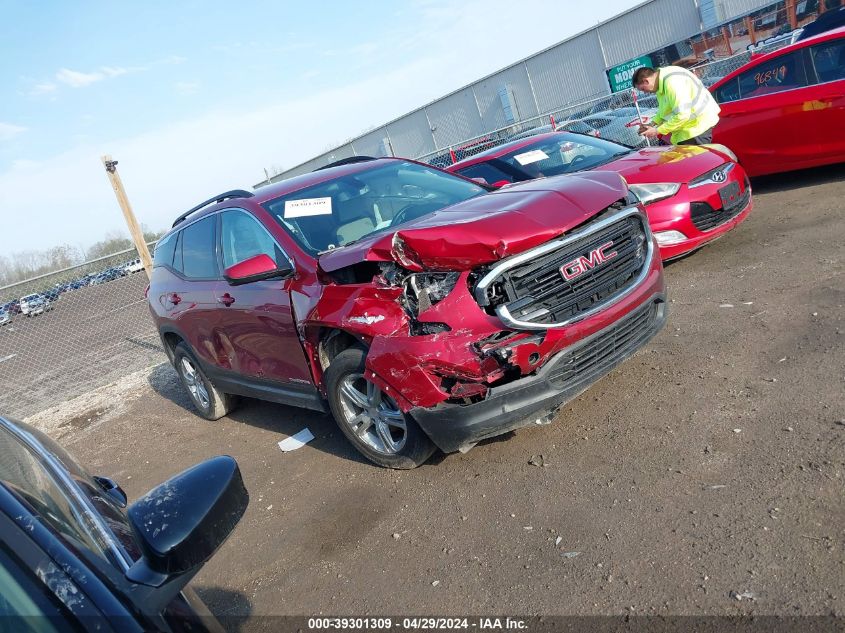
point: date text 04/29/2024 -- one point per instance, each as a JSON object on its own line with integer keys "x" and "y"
{"x": 416, "y": 623}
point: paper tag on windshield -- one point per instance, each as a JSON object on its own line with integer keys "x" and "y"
{"x": 531, "y": 157}
{"x": 308, "y": 206}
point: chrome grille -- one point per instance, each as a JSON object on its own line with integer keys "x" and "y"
{"x": 530, "y": 290}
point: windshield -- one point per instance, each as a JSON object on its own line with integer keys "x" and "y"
{"x": 561, "y": 154}
{"x": 343, "y": 210}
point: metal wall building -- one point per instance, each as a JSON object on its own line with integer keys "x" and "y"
{"x": 567, "y": 73}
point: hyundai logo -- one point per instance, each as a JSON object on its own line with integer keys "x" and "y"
{"x": 718, "y": 176}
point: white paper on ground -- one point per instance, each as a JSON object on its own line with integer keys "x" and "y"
{"x": 308, "y": 206}
{"x": 296, "y": 441}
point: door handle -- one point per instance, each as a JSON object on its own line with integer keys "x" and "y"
{"x": 226, "y": 299}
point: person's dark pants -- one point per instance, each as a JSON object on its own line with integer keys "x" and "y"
{"x": 702, "y": 139}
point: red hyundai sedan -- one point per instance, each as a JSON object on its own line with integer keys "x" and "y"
{"x": 692, "y": 194}
{"x": 786, "y": 110}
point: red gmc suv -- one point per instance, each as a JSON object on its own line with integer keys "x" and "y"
{"x": 422, "y": 309}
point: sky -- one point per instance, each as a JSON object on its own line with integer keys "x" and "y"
{"x": 195, "y": 98}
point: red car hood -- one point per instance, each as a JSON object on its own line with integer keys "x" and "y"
{"x": 489, "y": 227}
{"x": 675, "y": 163}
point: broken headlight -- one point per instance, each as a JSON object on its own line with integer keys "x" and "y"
{"x": 423, "y": 290}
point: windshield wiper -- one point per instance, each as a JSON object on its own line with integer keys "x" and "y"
{"x": 344, "y": 245}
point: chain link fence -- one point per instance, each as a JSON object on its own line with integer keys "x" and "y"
{"x": 74, "y": 330}
{"x": 614, "y": 117}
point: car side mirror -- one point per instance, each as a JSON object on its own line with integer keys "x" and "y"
{"x": 255, "y": 269}
{"x": 182, "y": 522}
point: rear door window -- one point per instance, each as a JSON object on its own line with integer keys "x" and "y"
{"x": 199, "y": 257}
{"x": 785, "y": 72}
{"x": 829, "y": 60}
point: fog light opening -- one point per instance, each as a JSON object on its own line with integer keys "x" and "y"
{"x": 665, "y": 238}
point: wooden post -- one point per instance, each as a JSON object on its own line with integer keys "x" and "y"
{"x": 749, "y": 25}
{"x": 790, "y": 14}
{"x": 134, "y": 228}
{"x": 727, "y": 39}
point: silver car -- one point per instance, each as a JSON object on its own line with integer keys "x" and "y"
{"x": 34, "y": 304}
{"x": 621, "y": 125}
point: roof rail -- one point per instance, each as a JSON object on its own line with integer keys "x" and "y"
{"x": 347, "y": 161}
{"x": 235, "y": 193}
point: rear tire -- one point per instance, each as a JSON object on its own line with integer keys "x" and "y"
{"x": 370, "y": 419}
{"x": 209, "y": 401}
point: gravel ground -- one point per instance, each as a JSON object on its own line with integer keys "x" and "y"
{"x": 704, "y": 476}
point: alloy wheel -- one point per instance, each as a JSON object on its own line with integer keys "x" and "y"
{"x": 194, "y": 383}
{"x": 371, "y": 415}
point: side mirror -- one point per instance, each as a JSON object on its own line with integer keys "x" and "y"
{"x": 182, "y": 522}
{"x": 255, "y": 269}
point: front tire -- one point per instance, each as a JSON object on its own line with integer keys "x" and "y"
{"x": 210, "y": 402}
{"x": 370, "y": 419}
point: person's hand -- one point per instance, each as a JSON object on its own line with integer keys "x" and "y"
{"x": 649, "y": 132}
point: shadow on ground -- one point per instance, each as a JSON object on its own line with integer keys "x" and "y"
{"x": 231, "y": 608}
{"x": 270, "y": 416}
{"x": 788, "y": 181}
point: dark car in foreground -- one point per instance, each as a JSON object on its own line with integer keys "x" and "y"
{"x": 785, "y": 110}
{"x": 692, "y": 194}
{"x": 422, "y": 309}
{"x": 73, "y": 559}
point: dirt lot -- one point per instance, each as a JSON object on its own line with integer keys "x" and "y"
{"x": 710, "y": 463}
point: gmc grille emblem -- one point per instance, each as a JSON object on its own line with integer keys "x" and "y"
{"x": 718, "y": 176}
{"x": 579, "y": 266}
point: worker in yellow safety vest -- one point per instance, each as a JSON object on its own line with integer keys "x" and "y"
{"x": 685, "y": 107}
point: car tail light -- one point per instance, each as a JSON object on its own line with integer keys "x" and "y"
{"x": 147, "y": 292}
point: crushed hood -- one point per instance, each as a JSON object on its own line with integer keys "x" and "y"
{"x": 487, "y": 228}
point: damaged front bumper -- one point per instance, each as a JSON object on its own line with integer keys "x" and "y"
{"x": 455, "y": 427}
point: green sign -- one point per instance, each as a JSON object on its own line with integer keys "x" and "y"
{"x": 620, "y": 76}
